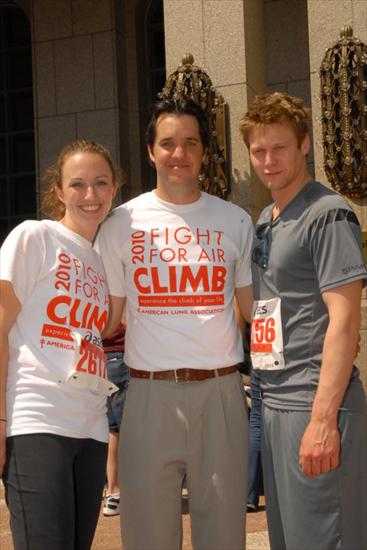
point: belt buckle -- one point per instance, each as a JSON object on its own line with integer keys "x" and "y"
{"x": 180, "y": 378}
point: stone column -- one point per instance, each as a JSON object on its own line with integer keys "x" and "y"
{"x": 227, "y": 40}
{"x": 324, "y": 22}
{"x": 74, "y": 76}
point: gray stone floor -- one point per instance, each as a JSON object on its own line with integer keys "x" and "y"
{"x": 108, "y": 530}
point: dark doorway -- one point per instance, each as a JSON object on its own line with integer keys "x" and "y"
{"x": 17, "y": 158}
{"x": 152, "y": 71}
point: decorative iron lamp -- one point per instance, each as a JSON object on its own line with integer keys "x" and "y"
{"x": 343, "y": 76}
{"x": 190, "y": 81}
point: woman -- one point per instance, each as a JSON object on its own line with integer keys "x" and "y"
{"x": 54, "y": 305}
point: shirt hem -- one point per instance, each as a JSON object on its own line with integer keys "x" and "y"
{"x": 64, "y": 433}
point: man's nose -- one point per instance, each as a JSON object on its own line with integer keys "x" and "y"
{"x": 269, "y": 158}
{"x": 179, "y": 151}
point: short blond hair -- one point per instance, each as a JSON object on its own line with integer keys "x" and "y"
{"x": 276, "y": 107}
{"x": 51, "y": 205}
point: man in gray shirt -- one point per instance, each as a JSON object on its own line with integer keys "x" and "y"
{"x": 308, "y": 274}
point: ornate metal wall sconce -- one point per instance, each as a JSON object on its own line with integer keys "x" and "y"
{"x": 343, "y": 76}
{"x": 190, "y": 81}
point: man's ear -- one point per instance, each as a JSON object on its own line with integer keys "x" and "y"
{"x": 306, "y": 145}
{"x": 205, "y": 158}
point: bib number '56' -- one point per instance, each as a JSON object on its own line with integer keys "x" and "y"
{"x": 266, "y": 335}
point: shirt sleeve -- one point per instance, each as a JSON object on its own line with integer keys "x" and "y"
{"x": 21, "y": 259}
{"x": 109, "y": 244}
{"x": 336, "y": 248}
{"x": 243, "y": 265}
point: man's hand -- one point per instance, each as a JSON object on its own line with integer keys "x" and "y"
{"x": 320, "y": 448}
{"x": 320, "y": 445}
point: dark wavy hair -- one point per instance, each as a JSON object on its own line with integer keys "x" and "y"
{"x": 177, "y": 107}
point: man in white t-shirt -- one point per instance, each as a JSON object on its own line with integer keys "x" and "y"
{"x": 178, "y": 257}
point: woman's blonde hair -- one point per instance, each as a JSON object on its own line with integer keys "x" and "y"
{"x": 51, "y": 205}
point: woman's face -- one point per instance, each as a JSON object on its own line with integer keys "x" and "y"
{"x": 87, "y": 192}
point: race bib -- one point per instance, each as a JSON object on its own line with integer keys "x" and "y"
{"x": 89, "y": 370}
{"x": 267, "y": 351}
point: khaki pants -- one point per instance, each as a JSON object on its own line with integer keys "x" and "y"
{"x": 169, "y": 430}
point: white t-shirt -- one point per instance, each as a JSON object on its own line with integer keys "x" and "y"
{"x": 178, "y": 265}
{"x": 60, "y": 282}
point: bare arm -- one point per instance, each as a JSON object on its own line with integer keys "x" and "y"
{"x": 320, "y": 445}
{"x": 115, "y": 315}
{"x": 240, "y": 320}
{"x": 9, "y": 309}
{"x": 244, "y": 301}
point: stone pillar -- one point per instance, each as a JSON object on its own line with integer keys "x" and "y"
{"x": 287, "y": 51}
{"x": 74, "y": 76}
{"x": 323, "y": 33}
{"x": 227, "y": 40}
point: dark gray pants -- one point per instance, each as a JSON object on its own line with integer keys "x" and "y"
{"x": 327, "y": 512}
{"x": 53, "y": 488}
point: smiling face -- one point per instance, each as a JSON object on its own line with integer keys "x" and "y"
{"x": 178, "y": 154}
{"x": 279, "y": 160}
{"x": 87, "y": 192}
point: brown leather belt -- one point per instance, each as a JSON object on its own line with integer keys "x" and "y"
{"x": 183, "y": 375}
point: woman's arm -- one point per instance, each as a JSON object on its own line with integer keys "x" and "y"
{"x": 9, "y": 309}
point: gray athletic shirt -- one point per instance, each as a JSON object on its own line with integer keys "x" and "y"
{"x": 314, "y": 245}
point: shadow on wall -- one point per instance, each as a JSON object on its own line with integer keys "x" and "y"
{"x": 248, "y": 193}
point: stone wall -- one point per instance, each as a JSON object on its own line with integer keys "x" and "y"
{"x": 324, "y": 33}
{"x": 75, "y": 86}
